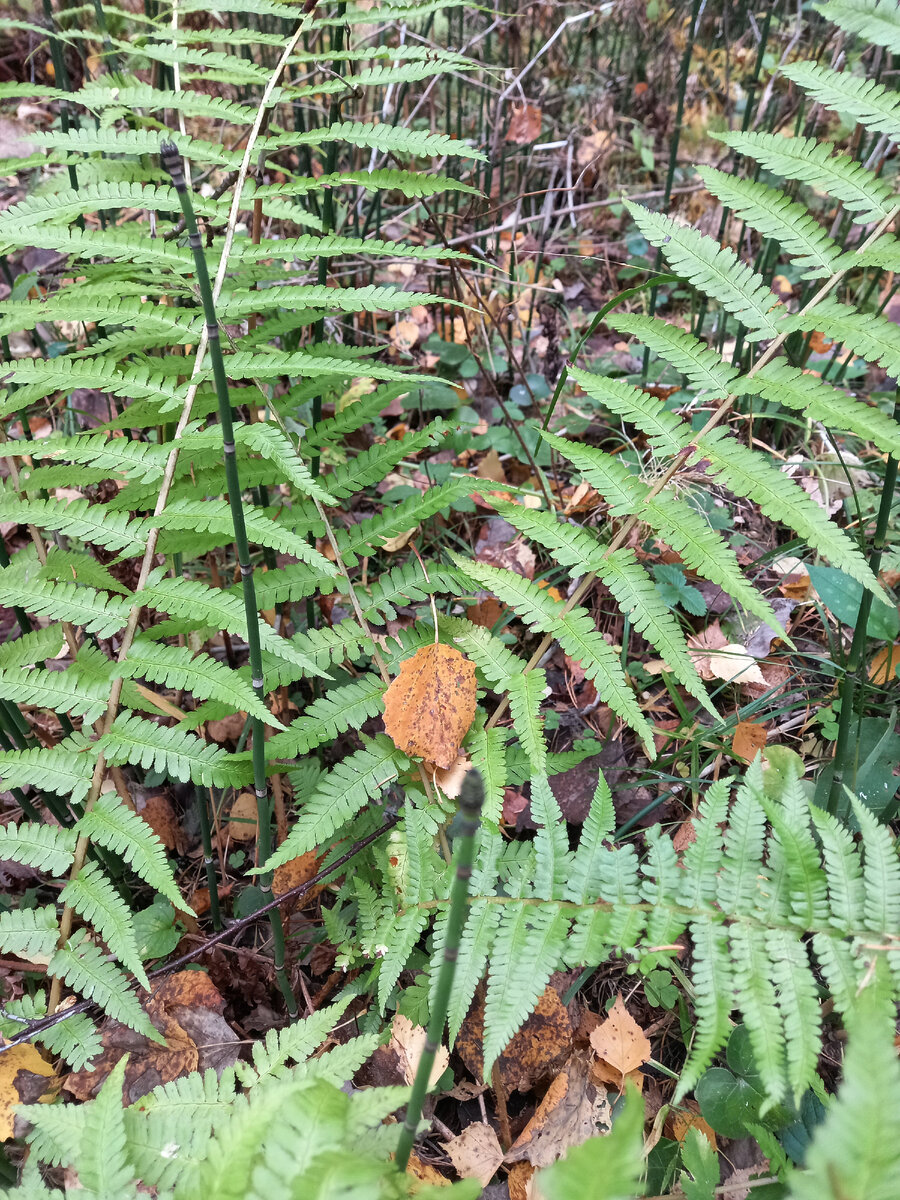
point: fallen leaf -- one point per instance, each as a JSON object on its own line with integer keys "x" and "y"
{"x": 292, "y": 874}
{"x": 430, "y": 705}
{"x": 490, "y": 467}
{"x": 23, "y": 1080}
{"x": 393, "y": 544}
{"x": 404, "y": 335}
{"x": 519, "y": 1181}
{"x": 524, "y": 124}
{"x": 538, "y": 1049}
{"x": 242, "y": 819}
{"x": 450, "y": 779}
{"x": 426, "y": 1172}
{"x": 620, "y": 1042}
{"x": 572, "y": 1110}
{"x": 735, "y": 665}
{"x": 159, "y": 814}
{"x": 682, "y": 1123}
{"x": 883, "y": 667}
{"x": 749, "y": 738}
{"x": 475, "y": 1153}
{"x": 408, "y": 1041}
{"x": 229, "y": 729}
{"x": 594, "y": 146}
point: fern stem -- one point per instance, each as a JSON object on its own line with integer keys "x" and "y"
{"x": 470, "y": 801}
{"x": 171, "y": 161}
{"x": 847, "y": 689}
{"x": 209, "y": 862}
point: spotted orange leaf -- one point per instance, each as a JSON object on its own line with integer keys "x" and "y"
{"x": 430, "y": 705}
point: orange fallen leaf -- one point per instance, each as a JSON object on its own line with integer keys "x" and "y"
{"x": 620, "y": 1042}
{"x": 429, "y": 707}
{"x": 749, "y": 738}
{"x": 883, "y": 667}
{"x": 524, "y": 124}
{"x": 683, "y": 1122}
{"x": 242, "y": 818}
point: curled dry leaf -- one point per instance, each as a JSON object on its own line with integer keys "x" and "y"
{"x": 573, "y": 1110}
{"x": 429, "y": 707}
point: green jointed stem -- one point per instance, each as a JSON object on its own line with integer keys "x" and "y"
{"x": 858, "y": 645}
{"x": 171, "y": 162}
{"x": 470, "y": 802}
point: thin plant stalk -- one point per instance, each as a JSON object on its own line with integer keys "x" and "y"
{"x": 171, "y": 161}
{"x": 847, "y": 689}
{"x": 209, "y": 863}
{"x": 470, "y": 801}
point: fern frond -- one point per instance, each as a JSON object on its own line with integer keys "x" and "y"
{"x": 779, "y": 497}
{"x": 780, "y": 383}
{"x": 94, "y": 612}
{"x": 666, "y": 432}
{"x": 85, "y": 969}
{"x": 372, "y": 465}
{"x": 873, "y": 105}
{"x": 798, "y": 1003}
{"x": 773, "y": 214}
{"x": 270, "y": 443}
{"x": 881, "y": 871}
{"x": 702, "y": 857}
{"x": 77, "y": 1039}
{"x": 50, "y": 768}
{"x": 203, "y": 676}
{"x": 527, "y": 948}
{"x": 712, "y": 269}
{"x": 402, "y": 584}
{"x": 875, "y": 20}
{"x": 31, "y": 648}
{"x": 525, "y": 695}
{"x": 94, "y": 898}
{"x": 46, "y": 847}
{"x": 117, "y": 828}
{"x": 576, "y": 633}
{"x": 698, "y": 362}
{"x": 37, "y": 378}
{"x": 672, "y": 519}
{"x": 370, "y": 533}
{"x": 297, "y": 1042}
{"x": 714, "y": 998}
{"x": 551, "y": 846}
{"x": 388, "y": 139}
{"x": 324, "y": 719}
{"x": 143, "y": 461}
{"x": 29, "y": 933}
{"x": 169, "y": 750}
{"x": 759, "y": 1006}
{"x": 870, "y": 335}
{"x": 63, "y": 691}
{"x": 843, "y": 869}
{"x": 744, "y": 843}
{"x": 339, "y": 796}
{"x": 862, "y": 193}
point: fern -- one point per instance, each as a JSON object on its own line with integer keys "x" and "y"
{"x": 46, "y": 847}
{"x": 94, "y": 898}
{"x": 173, "y": 752}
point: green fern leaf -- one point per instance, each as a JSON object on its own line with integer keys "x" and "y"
{"x": 63, "y": 691}
{"x": 744, "y": 844}
{"x": 780, "y": 383}
{"x": 666, "y": 432}
{"x": 774, "y": 215}
{"x": 526, "y": 691}
{"x": 76, "y": 1039}
{"x": 477, "y": 939}
{"x": 758, "y": 1004}
{"x": 117, "y": 828}
{"x": 747, "y": 474}
{"x": 584, "y": 872}
{"x": 79, "y": 566}
{"x": 881, "y": 871}
{"x": 400, "y": 937}
{"x": 342, "y": 708}
{"x": 206, "y": 678}
{"x": 31, "y": 648}
{"x": 29, "y": 933}
{"x": 489, "y": 756}
{"x": 843, "y": 870}
{"x": 388, "y": 139}
{"x": 95, "y": 899}
{"x": 96, "y": 613}
{"x": 869, "y": 335}
{"x": 798, "y": 1002}
{"x": 861, "y": 192}
{"x": 702, "y": 366}
{"x": 139, "y": 460}
{"x": 372, "y": 465}
{"x": 172, "y": 751}
{"x": 49, "y": 768}
{"x": 339, "y": 796}
{"x": 576, "y": 633}
{"x": 702, "y": 857}
{"x": 371, "y": 533}
{"x": 712, "y": 269}
{"x": 870, "y": 103}
{"x": 86, "y": 970}
{"x": 714, "y": 998}
{"x": 297, "y": 1042}
{"x": 551, "y": 846}
{"x": 46, "y": 847}
{"x": 672, "y": 519}
{"x": 526, "y": 952}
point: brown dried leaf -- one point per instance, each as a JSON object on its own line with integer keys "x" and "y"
{"x": 408, "y": 1041}
{"x": 749, "y": 738}
{"x": 537, "y": 1050}
{"x": 429, "y": 707}
{"x": 620, "y": 1042}
{"x": 573, "y": 1110}
{"x": 242, "y": 818}
{"x": 475, "y": 1153}
{"x": 524, "y": 124}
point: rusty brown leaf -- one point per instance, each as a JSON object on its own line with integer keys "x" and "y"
{"x": 524, "y": 124}
{"x": 429, "y": 707}
{"x": 749, "y": 738}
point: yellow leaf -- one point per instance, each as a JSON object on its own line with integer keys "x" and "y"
{"x": 431, "y": 704}
{"x": 18, "y": 1068}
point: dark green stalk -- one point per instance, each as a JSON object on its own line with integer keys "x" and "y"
{"x": 209, "y": 862}
{"x": 171, "y": 162}
{"x": 849, "y": 683}
{"x": 62, "y": 81}
{"x": 673, "y": 150}
{"x": 470, "y": 801}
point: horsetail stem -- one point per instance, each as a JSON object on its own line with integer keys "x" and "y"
{"x": 171, "y": 162}
{"x": 470, "y": 802}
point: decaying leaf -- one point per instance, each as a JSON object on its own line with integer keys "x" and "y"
{"x": 620, "y": 1045}
{"x": 539, "y": 1048}
{"x": 408, "y": 1041}
{"x": 242, "y": 818}
{"x": 23, "y": 1080}
{"x": 524, "y": 124}
{"x": 749, "y": 738}
{"x": 573, "y": 1110}
{"x": 429, "y": 707}
{"x": 475, "y": 1153}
